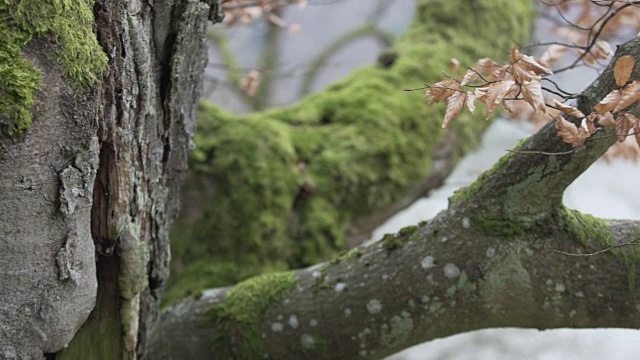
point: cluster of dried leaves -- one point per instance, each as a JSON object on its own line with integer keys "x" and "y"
{"x": 610, "y": 111}
{"x": 517, "y": 86}
{"x": 519, "y": 81}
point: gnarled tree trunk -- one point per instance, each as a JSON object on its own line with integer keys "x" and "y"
{"x": 90, "y": 190}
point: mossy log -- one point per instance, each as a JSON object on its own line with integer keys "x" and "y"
{"x": 291, "y": 187}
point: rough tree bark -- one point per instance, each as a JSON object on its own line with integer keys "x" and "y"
{"x": 487, "y": 261}
{"x": 89, "y": 191}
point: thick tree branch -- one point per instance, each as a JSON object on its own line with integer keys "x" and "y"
{"x": 439, "y": 280}
{"x": 515, "y": 188}
{"x": 490, "y": 260}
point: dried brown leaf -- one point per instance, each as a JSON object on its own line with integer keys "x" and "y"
{"x": 623, "y": 125}
{"x": 636, "y": 130}
{"x": 522, "y": 74}
{"x": 441, "y": 90}
{"x": 623, "y": 69}
{"x": 471, "y": 97}
{"x": 601, "y": 50}
{"x": 532, "y": 94}
{"x": 481, "y": 94}
{"x": 249, "y": 84}
{"x": 569, "y": 132}
{"x": 629, "y": 95}
{"x": 569, "y": 110}
{"x": 606, "y": 119}
{"x": 609, "y": 102}
{"x": 455, "y": 65}
{"x": 496, "y": 92}
{"x": 510, "y": 106}
{"x": 588, "y": 126}
{"x": 486, "y": 66}
{"x": 455, "y": 103}
{"x": 527, "y": 62}
{"x": 468, "y": 77}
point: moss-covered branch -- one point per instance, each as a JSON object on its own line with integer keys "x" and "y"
{"x": 438, "y": 279}
{"x": 505, "y": 253}
{"x": 279, "y": 189}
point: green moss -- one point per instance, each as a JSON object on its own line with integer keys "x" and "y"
{"x": 249, "y": 300}
{"x": 239, "y": 318}
{"x": 408, "y": 231}
{"x": 345, "y": 256}
{"x": 595, "y": 233}
{"x": 499, "y": 227}
{"x": 586, "y": 228}
{"x": 101, "y": 336}
{"x": 96, "y": 340}
{"x": 392, "y": 242}
{"x": 79, "y": 54}
{"x": 289, "y": 181}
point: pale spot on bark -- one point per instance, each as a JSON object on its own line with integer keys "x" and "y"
{"x": 428, "y": 262}
{"x": 374, "y": 306}
{"x": 451, "y": 271}
{"x": 277, "y": 327}
{"x": 307, "y": 341}
{"x": 491, "y": 252}
{"x": 293, "y": 321}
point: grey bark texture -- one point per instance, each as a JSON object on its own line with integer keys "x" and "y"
{"x": 90, "y": 191}
{"x": 491, "y": 259}
{"x": 47, "y": 282}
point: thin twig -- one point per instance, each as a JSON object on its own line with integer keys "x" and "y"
{"x": 544, "y": 152}
{"x": 632, "y": 242}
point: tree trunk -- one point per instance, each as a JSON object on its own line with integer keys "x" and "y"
{"x": 493, "y": 258}
{"x": 90, "y": 190}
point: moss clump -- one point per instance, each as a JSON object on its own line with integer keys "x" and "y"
{"x": 79, "y": 54}
{"x": 593, "y": 232}
{"x": 587, "y": 228}
{"x": 285, "y": 184}
{"x": 239, "y": 318}
{"x": 392, "y": 242}
{"x": 408, "y": 231}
